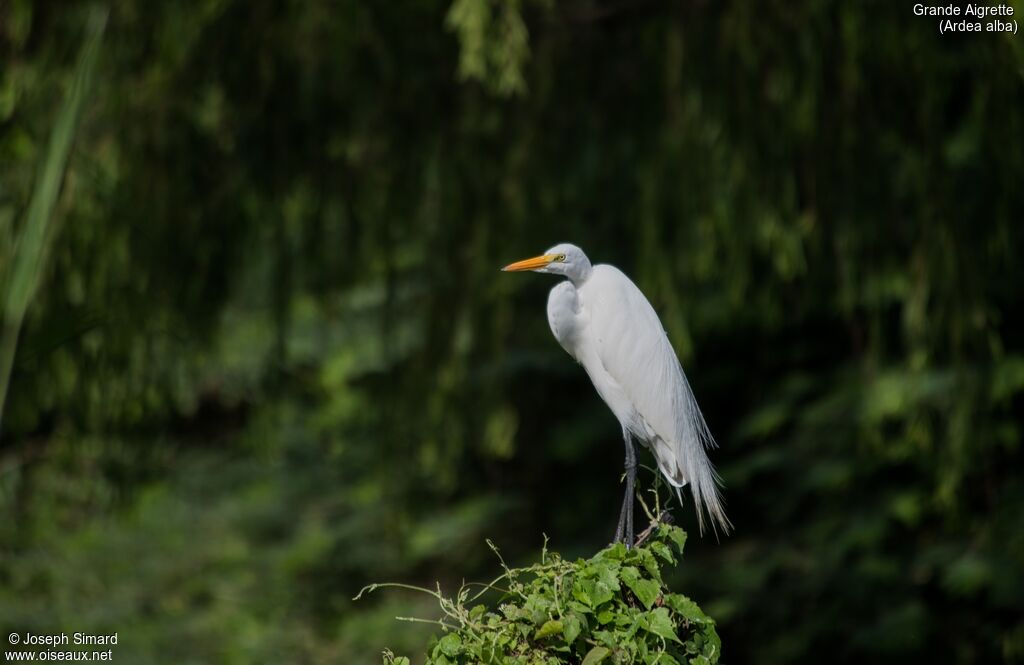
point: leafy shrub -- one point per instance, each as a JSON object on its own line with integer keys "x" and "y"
{"x": 612, "y": 608}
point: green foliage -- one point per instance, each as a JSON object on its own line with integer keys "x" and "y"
{"x": 611, "y": 608}
{"x": 494, "y": 43}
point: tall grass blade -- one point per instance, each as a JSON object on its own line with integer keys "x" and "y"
{"x": 30, "y": 245}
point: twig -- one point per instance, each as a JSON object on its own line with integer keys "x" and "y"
{"x": 664, "y": 518}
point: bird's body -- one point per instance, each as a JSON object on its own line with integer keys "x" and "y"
{"x": 603, "y": 320}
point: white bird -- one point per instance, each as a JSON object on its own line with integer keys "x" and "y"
{"x": 604, "y": 321}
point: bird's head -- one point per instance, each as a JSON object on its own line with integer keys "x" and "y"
{"x": 563, "y": 259}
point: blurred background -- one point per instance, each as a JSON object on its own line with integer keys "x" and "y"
{"x": 257, "y": 352}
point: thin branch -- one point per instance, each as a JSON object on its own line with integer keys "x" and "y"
{"x": 370, "y": 588}
{"x": 664, "y": 518}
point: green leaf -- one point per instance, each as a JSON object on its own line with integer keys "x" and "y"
{"x": 675, "y": 534}
{"x": 573, "y": 625}
{"x": 601, "y": 593}
{"x": 607, "y": 574}
{"x": 579, "y": 607}
{"x": 511, "y": 612}
{"x": 552, "y": 627}
{"x": 449, "y": 645}
{"x": 660, "y": 623}
{"x": 537, "y": 608}
{"x": 616, "y": 552}
{"x": 581, "y": 592}
{"x": 713, "y": 645}
{"x": 646, "y": 591}
{"x": 595, "y": 656}
{"x": 649, "y": 563}
{"x": 662, "y": 550}
{"x": 686, "y": 607}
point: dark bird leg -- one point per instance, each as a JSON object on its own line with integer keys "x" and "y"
{"x": 624, "y": 531}
{"x": 620, "y": 530}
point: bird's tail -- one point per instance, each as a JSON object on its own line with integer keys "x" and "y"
{"x": 704, "y": 484}
{"x": 693, "y": 467}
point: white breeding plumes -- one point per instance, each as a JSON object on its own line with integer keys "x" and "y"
{"x": 603, "y": 320}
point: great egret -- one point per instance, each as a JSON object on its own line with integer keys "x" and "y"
{"x": 603, "y": 320}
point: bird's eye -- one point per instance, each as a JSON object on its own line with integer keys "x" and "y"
{"x": 560, "y": 258}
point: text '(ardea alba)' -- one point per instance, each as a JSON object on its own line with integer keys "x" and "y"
{"x": 603, "y": 320}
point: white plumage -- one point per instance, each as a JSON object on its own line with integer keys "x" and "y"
{"x": 601, "y": 319}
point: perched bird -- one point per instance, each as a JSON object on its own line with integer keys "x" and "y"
{"x": 603, "y": 320}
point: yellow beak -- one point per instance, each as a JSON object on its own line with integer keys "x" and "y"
{"x": 530, "y": 264}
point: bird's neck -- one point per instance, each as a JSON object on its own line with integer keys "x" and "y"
{"x": 579, "y": 277}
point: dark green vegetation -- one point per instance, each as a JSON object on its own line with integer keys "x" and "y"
{"x": 612, "y": 608}
{"x": 270, "y": 358}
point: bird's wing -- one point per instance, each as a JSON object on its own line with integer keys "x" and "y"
{"x": 631, "y": 344}
{"x": 635, "y": 351}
